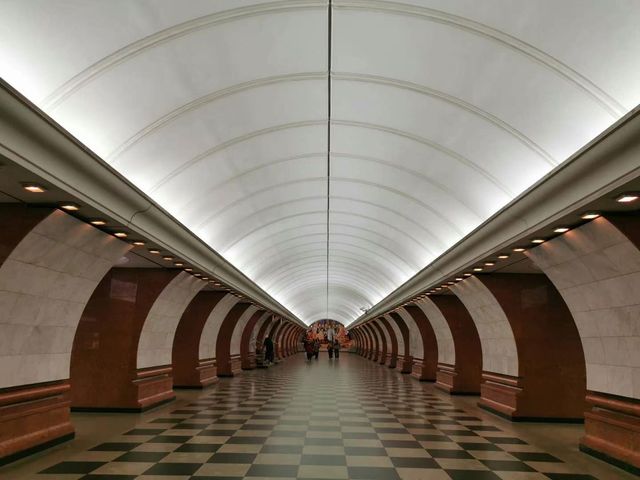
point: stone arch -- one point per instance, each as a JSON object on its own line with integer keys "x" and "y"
{"x": 158, "y": 331}
{"x": 405, "y": 360}
{"x": 384, "y": 342}
{"x": 393, "y": 356}
{"x": 50, "y": 264}
{"x": 544, "y": 376}
{"x": 104, "y": 372}
{"x": 359, "y": 341}
{"x": 188, "y": 370}
{"x": 424, "y": 368}
{"x": 459, "y": 351}
{"x": 247, "y": 347}
{"x": 209, "y": 335}
{"x": 596, "y": 269}
{"x": 226, "y": 364}
{"x": 262, "y": 333}
{"x": 376, "y": 347}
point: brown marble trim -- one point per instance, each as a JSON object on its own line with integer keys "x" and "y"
{"x": 612, "y": 430}
{"x": 34, "y": 417}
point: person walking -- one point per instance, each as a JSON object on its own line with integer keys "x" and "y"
{"x": 268, "y": 350}
{"x": 308, "y": 347}
{"x": 316, "y": 348}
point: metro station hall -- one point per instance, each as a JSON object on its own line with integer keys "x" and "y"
{"x": 319, "y": 239}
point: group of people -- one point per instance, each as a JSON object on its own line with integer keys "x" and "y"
{"x": 312, "y": 345}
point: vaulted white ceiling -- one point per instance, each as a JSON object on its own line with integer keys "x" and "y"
{"x": 442, "y": 111}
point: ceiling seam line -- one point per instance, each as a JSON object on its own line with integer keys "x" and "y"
{"x": 329, "y": 45}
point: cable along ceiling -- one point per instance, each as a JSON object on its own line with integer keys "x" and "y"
{"x": 442, "y": 112}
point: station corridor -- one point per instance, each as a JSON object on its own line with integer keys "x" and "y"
{"x": 326, "y": 419}
{"x": 199, "y": 198}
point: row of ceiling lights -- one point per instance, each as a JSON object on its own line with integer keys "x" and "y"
{"x": 99, "y": 222}
{"x": 628, "y": 197}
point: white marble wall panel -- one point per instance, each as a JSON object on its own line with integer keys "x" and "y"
{"x": 415, "y": 337}
{"x": 444, "y": 337}
{"x": 597, "y": 271}
{"x": 211, "y": 328}
{"x": 254, "y": 334}
{"x": 236, "y": 336}
{"x": 156, "y": 338}
{"x": 394, "y": 326}
{"x": 45, "y": 284}
{"x": 499, "y": 352}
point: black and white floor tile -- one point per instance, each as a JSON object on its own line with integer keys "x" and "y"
{"x": 340, "y": 419}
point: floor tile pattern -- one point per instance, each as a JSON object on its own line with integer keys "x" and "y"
{"x": 324, "y": 419}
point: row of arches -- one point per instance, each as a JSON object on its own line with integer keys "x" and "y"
{"x": 79, "y": 331}
{"x": 559, "y": 345}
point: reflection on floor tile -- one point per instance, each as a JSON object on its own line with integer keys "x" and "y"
{"x": 344, "y": 419}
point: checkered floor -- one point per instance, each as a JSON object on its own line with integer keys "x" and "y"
{"x": 340, "y": 419}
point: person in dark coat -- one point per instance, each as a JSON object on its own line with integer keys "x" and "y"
{"x": 308, "y": 348}
{"x": 268, "y": 350}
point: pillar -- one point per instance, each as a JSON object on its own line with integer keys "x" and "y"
{"x": 596, "y": 269}
{"x": 406, "y": 363}
{"x": 247, "y": 347}
{"x": 188, "y": 371}
{"x": 459, "y": 352}
{"x": 50, "y": 263}
{"x": 393, "y": 356}
{"x": 384, "y": 345}
{"x": 424, "y": 369}
{"x": 226, "y": 364}
{"x": 532, "y": 356}
{"x": 122, "y": 351}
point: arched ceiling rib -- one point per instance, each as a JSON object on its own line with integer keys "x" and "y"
{"x": 442, "y": 111}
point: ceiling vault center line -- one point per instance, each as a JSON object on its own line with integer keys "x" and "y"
{"x": 329, "y": 41}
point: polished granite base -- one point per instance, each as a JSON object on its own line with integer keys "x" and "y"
{"x": 325, "y": 419}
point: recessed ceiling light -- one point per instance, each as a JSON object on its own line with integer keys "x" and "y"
{"x": 503, "y": 256}
{"x": 204, "y": 278}
{"x": 467, "y": 274}
{"x": 561, "y": 229}
{"x": 489, "y": 264}
{"x": 627, "y": 197}
{"x": 188, "y": 269}
{"x": 519, "y": 249}
{"x": 155, "y": 251}
{"x": 589, "y": 215}
{"x": 477, "y": 269}
{"x": 451, "y": 283}
{"x": 458, "y": 279}
{"x": 33, "y": 187}
{"x": 70, "y": 206}
{"x": 179, "y": 264}
{"x": 167, "y": 258}
{"x": 197, "y": 274}
{"x": 438, "y": 288}
{"x": 120, "y": 234}
{"x": 137, "y": 243}
{"x": 97, "y": 222}
{"x": 538, "y": 240}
